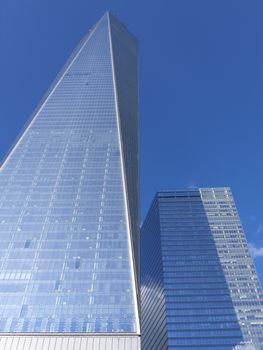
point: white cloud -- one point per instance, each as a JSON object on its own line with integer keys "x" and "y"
{"x": 192, "y": 184}
{"x": 255, "y": 251}
{"x": 259, "y": 228}
{"x": 252, "y": 218}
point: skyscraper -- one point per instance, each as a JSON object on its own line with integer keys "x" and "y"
{"x": 69, "y": 206}
{"x": 199, "y": 286}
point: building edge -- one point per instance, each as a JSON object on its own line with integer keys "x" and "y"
{"x": 136, "y": 290}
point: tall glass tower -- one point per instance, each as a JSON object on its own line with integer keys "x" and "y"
{"x": 200, "y": 289}
{"x": 69, "y": 207}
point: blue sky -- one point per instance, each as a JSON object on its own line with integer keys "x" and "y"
{"x": 201, "y": 87}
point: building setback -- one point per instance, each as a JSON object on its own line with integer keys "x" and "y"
{"x": 199, "y": 287}
{"x": 69, "y": 207}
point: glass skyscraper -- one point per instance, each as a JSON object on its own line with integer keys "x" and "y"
{"x": 69, "y": 207}
{"x": 199, "y": 287}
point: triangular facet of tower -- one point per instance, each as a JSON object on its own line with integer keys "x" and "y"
{"x": 69, "y": 198}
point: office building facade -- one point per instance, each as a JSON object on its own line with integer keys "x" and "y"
{"x": 199, "y": 287}
{"x": 69, "y": 206}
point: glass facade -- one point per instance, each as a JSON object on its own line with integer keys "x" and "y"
{"x": 69, "y": 221}
{"x": 197, "y": 276}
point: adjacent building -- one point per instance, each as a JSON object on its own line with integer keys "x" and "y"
{"x": 199, "y": 287}
{"x": 69, "y": 207}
